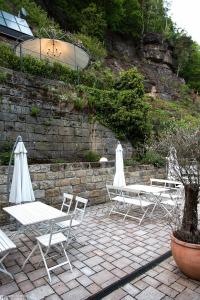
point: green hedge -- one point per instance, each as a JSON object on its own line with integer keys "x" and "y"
{"x": 31, "y": 65}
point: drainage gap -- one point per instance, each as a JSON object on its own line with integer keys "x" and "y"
{"x": 129, "y": 277}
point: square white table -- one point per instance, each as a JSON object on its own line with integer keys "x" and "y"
{"x": 33, "y": 213}
{"x": 147, "y": 188}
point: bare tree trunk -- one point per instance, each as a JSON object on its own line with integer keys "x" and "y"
{"x": 190, "y": 214}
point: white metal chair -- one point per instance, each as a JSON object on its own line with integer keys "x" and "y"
{"x": 79, "y": 212}
{"x": 173, "y": 201}
{"x": 53, "y": 239}
{"x": 115, "y": 195}
{"x": 130, "y": 200}
{"x": 5, "y": 246}
{"x": 67, "y": 202}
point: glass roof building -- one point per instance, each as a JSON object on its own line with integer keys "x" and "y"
{"x": 14, "y": 26}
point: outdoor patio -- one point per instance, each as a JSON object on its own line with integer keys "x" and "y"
{"x": 107, "y": 249}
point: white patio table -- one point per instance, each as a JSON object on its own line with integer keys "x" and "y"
{"x": 148, "y": 188}
{"x": 151, "y": 192}
{"x": 33, "y": 213}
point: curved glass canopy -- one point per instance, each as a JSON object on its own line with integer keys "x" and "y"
{"x": 55, "y": 51}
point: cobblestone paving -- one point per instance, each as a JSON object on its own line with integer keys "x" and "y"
{"x": 164, "y": 282}
{"x": 107, "y": 249}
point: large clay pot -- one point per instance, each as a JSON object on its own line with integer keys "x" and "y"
{"x": 187, "y": 257}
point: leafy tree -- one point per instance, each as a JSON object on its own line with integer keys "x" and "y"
{"x": 93, "y": 21}
{"x": 122, "y": 109}
{"x": 182, "y": 49}
{"x": 191, "y": 70}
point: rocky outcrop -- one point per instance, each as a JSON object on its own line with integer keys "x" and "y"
{"x": 154, "y": 59}
{"x": 158, "y": 50}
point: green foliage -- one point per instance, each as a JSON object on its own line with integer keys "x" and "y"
{"x": 123, "y": 110}
{"x": 33, "y": 66}
{"x": 131, "y": 162}
{"x": 78, "y": 103}
{"x": 35, "y": 111}
{"x": 131, "y": 79}
{"x": 37, "y": 17}
{"x": 153, "y": 158}
{"x": 7, "y": 58}
{"x": 182, "y": 49}
{"x": 154, "y": 17}
{"x": 5, "y": 153}
{"x": 60, "y": 161}
{"x": 93, "y": 21}
{"x": 191, "y": 70}
{"x": 167, "y": 115}
{"x": 124, "y": 16}
{"x": 92, "y": 44}
{"x": 99, "y": 76}
{"x": 91, "y": 156}
{"x": 4, "y": 76}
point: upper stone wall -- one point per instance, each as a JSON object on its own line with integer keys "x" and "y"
{"x": 56, "y": 130}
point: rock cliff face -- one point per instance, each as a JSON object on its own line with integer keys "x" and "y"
{"x": 154, "y": 60}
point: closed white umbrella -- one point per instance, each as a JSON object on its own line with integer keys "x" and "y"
{"x": 21, "y": 187}
{"x": 173, "y": 166}
{"x": 119, "y": 178}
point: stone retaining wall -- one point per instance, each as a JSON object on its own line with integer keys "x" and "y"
{"x": 84, "y": 179}
{"x": 52, "y": 129}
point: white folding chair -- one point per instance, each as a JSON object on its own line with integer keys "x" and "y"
{"x": 172, "y": 202}
{"x": 79, "y": 212}
{"x": 67, "y": 202}
{"x": 53, "y": 239}
{"x": 115, "y": 195}
{"x": 128, "y": 199}
{"x": 5, "y": 246}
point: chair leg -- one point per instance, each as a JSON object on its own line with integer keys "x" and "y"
{"x": 67, "y": 258}
{"x": 45, "y": 263}
{"x": 34, "y": 248}
{"x": 3, "y": 269}
{"x": 127, "y": 212}
{"x": 145, "y": 212}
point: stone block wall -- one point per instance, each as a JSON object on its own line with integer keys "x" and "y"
{"x": 84, "y": 179}
{"x": 51, "y": 128}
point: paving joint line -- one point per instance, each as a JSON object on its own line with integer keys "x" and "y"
{"x": 129, "y": 277}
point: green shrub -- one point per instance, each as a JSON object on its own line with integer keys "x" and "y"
{"x": 131, "y": 162}
{"x": 94, "y": 46}
{"x": 98, "y": 76}
{"x": 5, "y": 153}
{"x": 91, "y": 156}
{"x": 153, "y": 158}
{"x": 78, "y": 103}
{"x": 59, "y": 161}
{"x": 93, "y": 21}
{"x": 131, "y": 79}
{"x": 4, "y": 77}
{"x": 124, "y": 112}
{"x": 8, "y": 59}
{"x": 35, "y": 111}
{"x": 34, "y": 66}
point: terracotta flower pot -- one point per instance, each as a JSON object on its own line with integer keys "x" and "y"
{"x": 187, "y": 257}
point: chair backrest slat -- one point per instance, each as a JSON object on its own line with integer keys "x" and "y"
{"x": 53, "y": 225}
{"x": 79, "y": 212}
{"x": 67, "y": 202}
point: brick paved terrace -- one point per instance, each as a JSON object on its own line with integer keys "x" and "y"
{"x": 107, "y": 248}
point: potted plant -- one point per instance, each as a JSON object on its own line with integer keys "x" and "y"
{"x": 185, "y": 240}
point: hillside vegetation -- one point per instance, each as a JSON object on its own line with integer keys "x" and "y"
{"x": 116, "y": 100}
